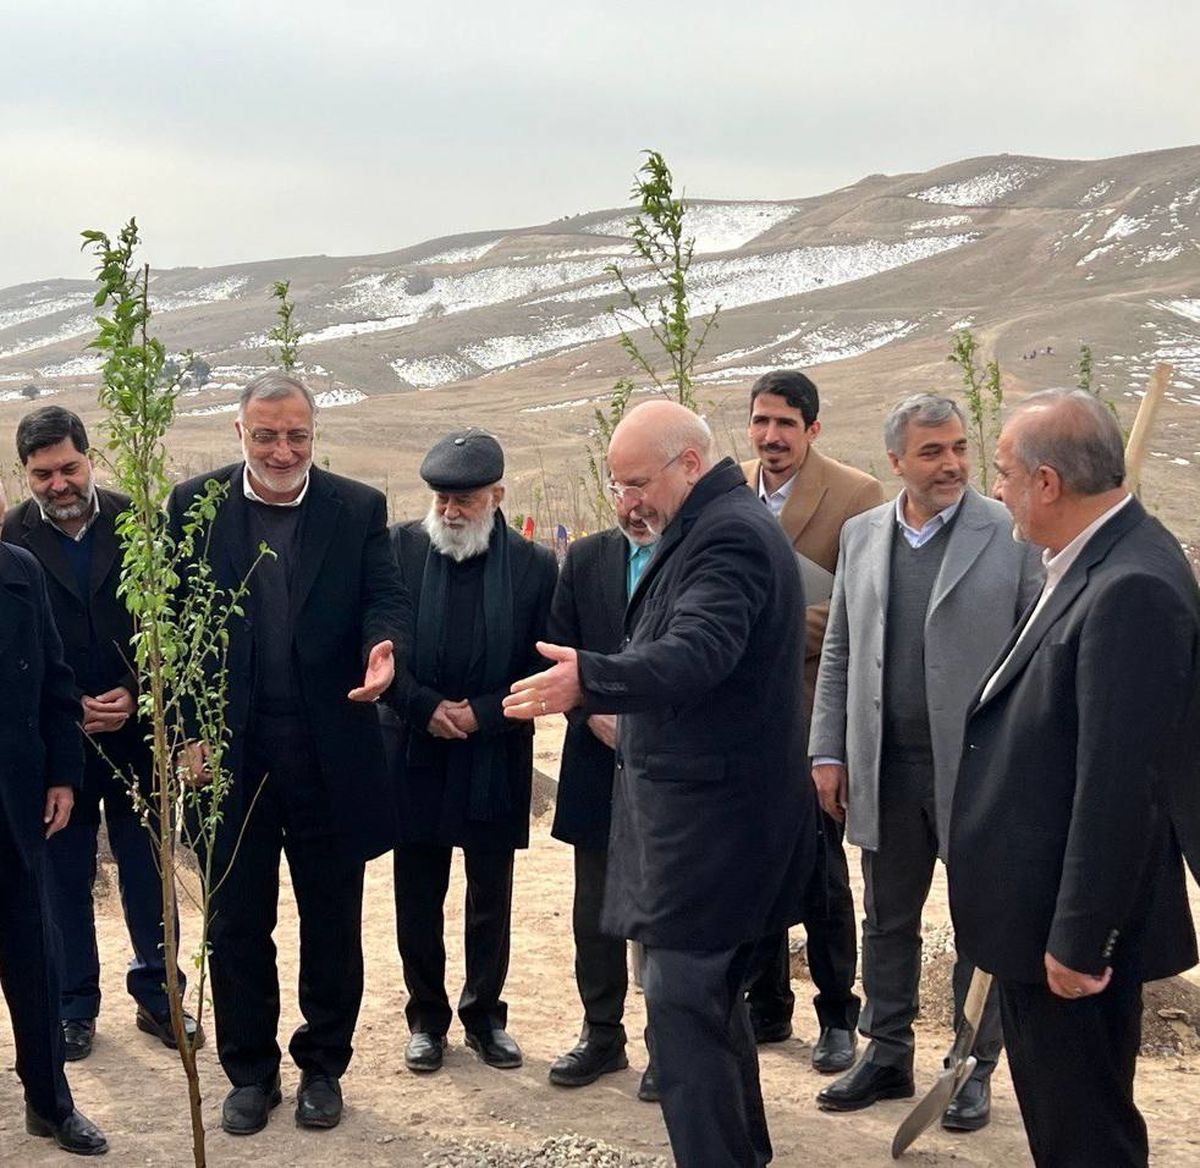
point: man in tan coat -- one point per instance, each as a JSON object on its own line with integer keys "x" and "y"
{"x": 812, "y": 496}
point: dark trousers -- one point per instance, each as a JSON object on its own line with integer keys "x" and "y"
{"x": 29, "y": 975}
{"x": 292, "y": 816}
{"x": 1073, "y": 1065}
{"x": 600, "y": 969}
{"x": 703, "y": 1049}
{"x": 422, "y": 878}
{"x": 72, "y": 870}
{"x": 831, "y": 948}
{"x": 896, "y": 882}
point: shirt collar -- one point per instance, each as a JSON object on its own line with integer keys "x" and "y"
{"x": 1058, "y": 564}
{"x": 780, "y": 492}
{"x": 78, "y": 536}
{"x": 930, "y": 525}
{"x": 636, "y": 548}
{"x": 255, "y": 497}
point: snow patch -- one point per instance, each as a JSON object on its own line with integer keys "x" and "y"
{"x": 1095, "y": 193}
{"x": 1124, "y": 226}
{"x": 981, "y": 191}
{"x": 36, "y": 309}
{"x": 944, "y": 221}
{"x": 331, "y": 398}
{"x": 430, "y": 372}
{"x": 461, "y": 255}
{"x": 716, "y": 227}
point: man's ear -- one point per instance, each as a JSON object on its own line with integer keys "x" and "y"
{"x": 498, "y": 494}
{"x": 814, "y": 430}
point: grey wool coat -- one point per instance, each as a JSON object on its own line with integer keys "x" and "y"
{"x": 985, "y": 583}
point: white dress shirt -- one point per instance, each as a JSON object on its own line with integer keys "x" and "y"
{"x": 255, "y": 497}
{"x": 775, "y": 499}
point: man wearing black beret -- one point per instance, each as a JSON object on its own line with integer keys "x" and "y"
{"x": 463, "y": 771}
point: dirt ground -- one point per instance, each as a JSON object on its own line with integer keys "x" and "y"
{"x": 135, "y": 1090}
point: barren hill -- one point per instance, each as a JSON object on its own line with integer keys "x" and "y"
{"x": 863, "y": 286}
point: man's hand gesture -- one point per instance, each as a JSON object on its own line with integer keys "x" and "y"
{"x": 381, "y": 672}
{"x": 554, "y": 691}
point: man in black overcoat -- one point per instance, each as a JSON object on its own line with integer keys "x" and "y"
{"x": 713, "y": 835}
{"x": 314, "y": 648}
{"x": 69, "y": 524}
{"x": 463, "y": 772}
{"x": 1077, "y": 785}
{"x": 41, "y": 766}
{"x": 598, "y": 576}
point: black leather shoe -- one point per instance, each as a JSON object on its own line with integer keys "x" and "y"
{"x": 586, "y": 1062}
{"x": 497, "y": 1048}
{"x": 648, "y": 1087}
{"x": 318, "y": 1101}
{"x": 833, "y": 1052}
{"x": 971, "y": 1108}
{"x": 424, "y": 1052}
{"x": 767, "y": 1032}
{"x": 246, "y": 1109}
{"x": 160, "y": 1027}
{"x": 75, "y": 1134}
{"x": 77, "y": 1038}
{"x": 867, "y": 1083}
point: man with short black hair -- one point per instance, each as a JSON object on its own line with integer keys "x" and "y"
{"x": 1078, "y": 785}
{"x": 463, "y": 772}
{"x": 927, "y": 589}
{"x": 812, "y": 495}
{"x": 324, "y": 624}
{"x": 69, "y": 524}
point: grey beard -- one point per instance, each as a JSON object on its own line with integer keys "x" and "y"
{"x": 459, "y": 543}
{"x": 59, "y": 512}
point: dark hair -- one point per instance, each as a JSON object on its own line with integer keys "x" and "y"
{"x": 48, "y": 426}
{"x": 795, "y": 389}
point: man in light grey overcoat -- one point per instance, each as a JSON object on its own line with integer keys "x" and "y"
{"x": 927, "y": 590}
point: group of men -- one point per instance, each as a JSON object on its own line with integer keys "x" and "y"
{"x": 753, "y": 661}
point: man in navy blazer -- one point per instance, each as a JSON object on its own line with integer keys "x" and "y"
{"x": 41, "y": 765}
{"x": 1077, "y": 785}
{"x": 713, "y": 835}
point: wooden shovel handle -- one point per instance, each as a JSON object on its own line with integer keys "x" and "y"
{"x": 1139, "y": 436}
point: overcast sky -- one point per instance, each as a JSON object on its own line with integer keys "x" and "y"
{"x": 260, "y": 129}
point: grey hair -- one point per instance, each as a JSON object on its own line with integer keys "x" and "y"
{"x": 686, "y": 432}
{"x": 273, "y": 385}
{"x": 925, "y": 409}
{"x": 1073, "y": 432}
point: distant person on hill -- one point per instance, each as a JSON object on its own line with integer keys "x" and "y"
{"x": 927, "y": 589}
{"x": 599, "y": 575}
{"x": 69, "y": 524}
{"x": 811, "y": 495}
{"x": 713, "y": 835}
{"x": 1078, "y": 785}
{"x": 463, "y": 772}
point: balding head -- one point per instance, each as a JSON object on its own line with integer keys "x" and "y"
{"x": 657, "y": 453}
{"x": 1060, "y": 464}
{"x": 1075, "y": 433}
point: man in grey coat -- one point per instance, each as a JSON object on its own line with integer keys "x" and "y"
{"x": 927, "y": 590}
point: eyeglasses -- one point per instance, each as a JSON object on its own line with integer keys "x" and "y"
{"x": 296, "y": 439}
{"x": 636, "y": 494}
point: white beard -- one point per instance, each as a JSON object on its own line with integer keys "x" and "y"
{"x": 463, "y": 541}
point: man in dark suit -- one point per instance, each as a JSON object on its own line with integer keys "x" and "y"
{"x": 463, "y": 773}
{"x": 598, "y": 576}
{"x": 41, "y": 764}
{"x": 309, "y": 776}
{"x": 713, "y": 834}
{"x": 69, "y": 524}
{"x": 1066, "y": 876}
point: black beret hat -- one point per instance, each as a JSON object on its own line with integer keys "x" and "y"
{"x": 463, "y": 461}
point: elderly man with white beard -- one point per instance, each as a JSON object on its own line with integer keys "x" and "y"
{"x": 463, "y": 771}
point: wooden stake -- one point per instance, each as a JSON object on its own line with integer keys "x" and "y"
{"x": 1139, "y": 436}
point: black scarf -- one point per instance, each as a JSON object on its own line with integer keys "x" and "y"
{"x": 489, "y": 794}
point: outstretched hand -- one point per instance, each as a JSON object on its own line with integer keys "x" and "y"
{"x": 553, "y": 691}
{"x": 381, "y": 672}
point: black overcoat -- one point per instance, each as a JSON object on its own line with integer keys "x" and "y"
{"x": 96, "y": 628}
{"x": 40, "y": 742}
{"x": 588, "y": 612}
{"x": 347, "y": 597}
{"x": 714, "y": 826}
{"x": 433, "y": 799}
{"x": 1079, "y": 772}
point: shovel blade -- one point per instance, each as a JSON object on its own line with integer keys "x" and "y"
{"x": 933, "y": 1106}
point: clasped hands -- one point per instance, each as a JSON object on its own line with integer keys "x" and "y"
{"x": 453, "y": 719}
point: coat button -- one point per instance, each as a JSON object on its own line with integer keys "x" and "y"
{"x": 878, "y": 703}
{"x": 22, "y": 664}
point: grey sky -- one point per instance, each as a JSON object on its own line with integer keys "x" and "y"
{"x": 253, "y": 130}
